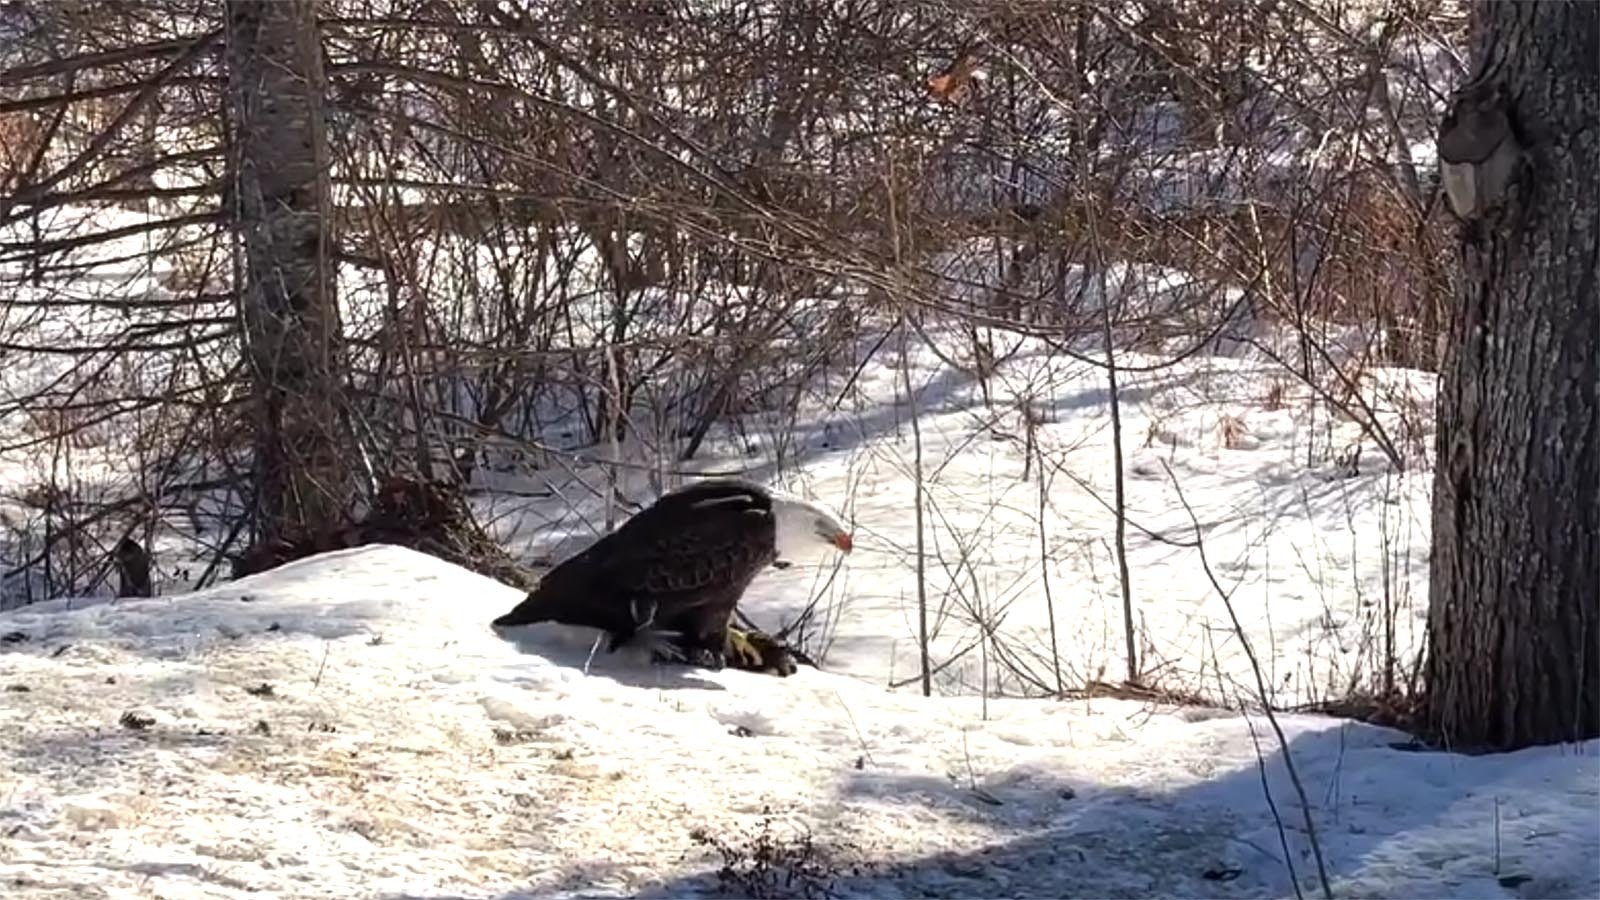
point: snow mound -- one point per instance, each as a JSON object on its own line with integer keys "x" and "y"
{"x": 349, "y": 726}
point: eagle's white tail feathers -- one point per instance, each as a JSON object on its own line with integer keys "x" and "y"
{"x": 646, "y": 644}
{"x": 660, "y": 643}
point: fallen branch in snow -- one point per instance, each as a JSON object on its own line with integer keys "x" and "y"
{"x": 1142, "y": 692}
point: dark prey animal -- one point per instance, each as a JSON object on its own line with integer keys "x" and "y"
{"x": 680, "y": 566}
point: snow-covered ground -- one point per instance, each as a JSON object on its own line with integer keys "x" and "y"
{"x": 348, "y": 726}
{"x": 1320, "y": 543}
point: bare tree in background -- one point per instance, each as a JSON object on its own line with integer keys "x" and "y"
{"x": 287, "y": 297}
{"x": 1514, "y": 610}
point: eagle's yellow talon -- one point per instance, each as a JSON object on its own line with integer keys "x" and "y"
{"x": 755, "y": 651}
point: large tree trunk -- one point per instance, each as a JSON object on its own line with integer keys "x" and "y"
{"x": 1514, "y": 607}
{"x": 280, "y": 195}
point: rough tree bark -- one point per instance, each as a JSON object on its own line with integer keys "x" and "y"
{"x": 280, "y": 200}
{"x": 1514, "y": 606}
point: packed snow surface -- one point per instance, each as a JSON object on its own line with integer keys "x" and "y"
{"x": 349, "y": 726}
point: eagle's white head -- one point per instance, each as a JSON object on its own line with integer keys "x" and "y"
{"x": 804, "y": 527}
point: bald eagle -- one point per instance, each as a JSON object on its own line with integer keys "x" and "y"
{"x": 680, "y": 566}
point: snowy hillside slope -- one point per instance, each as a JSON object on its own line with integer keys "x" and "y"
{"x": 348, "y": 726}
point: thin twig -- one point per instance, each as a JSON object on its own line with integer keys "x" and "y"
{"x": 1261, "y": 686}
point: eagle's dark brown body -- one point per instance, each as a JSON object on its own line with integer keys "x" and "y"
{"x": 679, "y": 566}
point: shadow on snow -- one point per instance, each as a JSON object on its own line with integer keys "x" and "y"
{"x": 1391, "y": 823}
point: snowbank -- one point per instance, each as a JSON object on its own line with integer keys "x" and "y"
{"x": 348, "y": 726}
